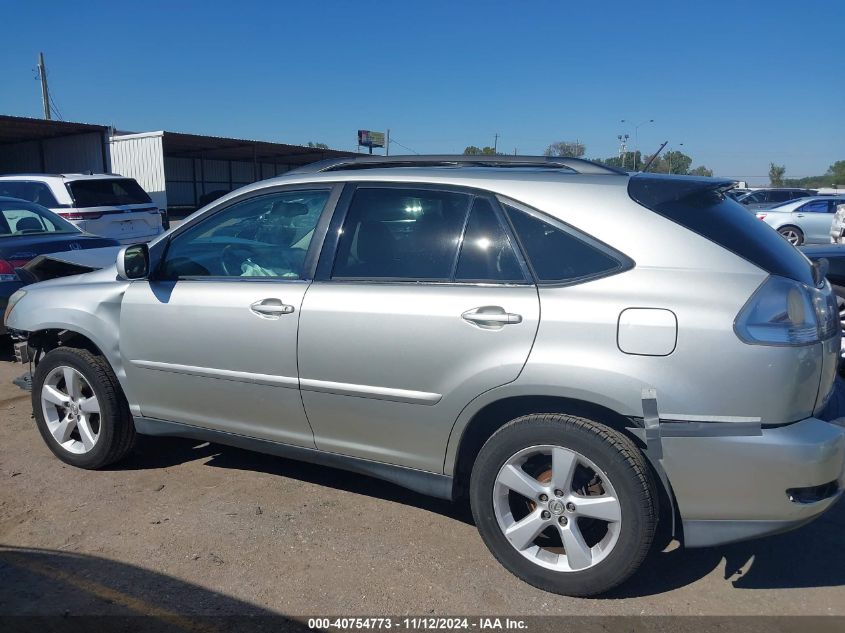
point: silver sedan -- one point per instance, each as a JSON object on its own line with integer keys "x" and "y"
{"x": 804, "y": 221}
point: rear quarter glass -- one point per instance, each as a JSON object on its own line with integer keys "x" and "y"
{"x": 699, "y": 205}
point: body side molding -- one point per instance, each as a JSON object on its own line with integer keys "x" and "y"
{"x": 428, "y": 483}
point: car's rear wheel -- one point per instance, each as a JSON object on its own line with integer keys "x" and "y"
{"x": 80, "y": 409}
{"x": 792, "y": 234}
{"x": 564, "y": 503}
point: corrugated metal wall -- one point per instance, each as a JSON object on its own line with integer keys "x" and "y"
{"x": 141, "y": 157}
{"x": 65, "y": 154}
{"x": 188, "y": 179}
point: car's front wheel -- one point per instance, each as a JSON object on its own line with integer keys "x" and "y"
{"x": 564, "y": 503}
{"x": 80, "y": 409}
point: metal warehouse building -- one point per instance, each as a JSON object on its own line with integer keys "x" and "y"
{"x": 183, "y": 171}
{"x": 42, "y": 146}
{"x": 180, "y": 171}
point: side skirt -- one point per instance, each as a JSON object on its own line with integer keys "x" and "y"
{"x": 427, "y": 483}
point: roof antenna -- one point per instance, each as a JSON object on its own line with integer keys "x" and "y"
{"x": 654, "y": 156}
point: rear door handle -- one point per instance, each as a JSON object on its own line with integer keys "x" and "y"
{"x": 491, "y": 316}
{"x": 271, "y": 307}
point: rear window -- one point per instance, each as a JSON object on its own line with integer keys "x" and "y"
{"x": 28, "y": 190}
{"x": 700, "y": 206}
{"x": 105, "y": 192}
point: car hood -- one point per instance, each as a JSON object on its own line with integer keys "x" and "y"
{"x": 70, "y": 263}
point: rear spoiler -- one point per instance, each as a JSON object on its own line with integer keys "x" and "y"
{"x": 654, "y": 190}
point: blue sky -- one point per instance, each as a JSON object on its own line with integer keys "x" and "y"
{"x": 740, "y": 84}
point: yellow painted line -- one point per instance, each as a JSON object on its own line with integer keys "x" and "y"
{"x": 107, "y": 593}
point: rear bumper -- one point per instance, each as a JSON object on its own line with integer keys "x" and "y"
{"x": 730, "y": 488}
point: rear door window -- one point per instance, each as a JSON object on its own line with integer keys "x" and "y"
{"x": 779, "y": 196}
{"x": 401, "y": 234}
{"x": 487, "y": 253}
{"x": 106, "y": 192}
{"x": 557, "y": 254}
{"x": 816, "y": 206}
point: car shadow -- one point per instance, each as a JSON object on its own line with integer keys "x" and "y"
{"x": 811, "y": 556}
{"x": 47, "y": 590}
{"x": 161, "y": 452}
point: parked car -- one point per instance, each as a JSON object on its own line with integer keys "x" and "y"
{"x": 28, "y": 230}
{"x": 761, "y": 199}
{"x": 804, "y": 221}
{"x": 472, "y": 326}
{"x": 100, "y": 204}
{"x": 835, "y": 256}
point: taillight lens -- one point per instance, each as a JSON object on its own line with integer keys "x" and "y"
{"x": 786, "y": 312}
{"x": 7, "y": 271}
{"x": 80, "y": 215}
{"x": 761, "y": 216}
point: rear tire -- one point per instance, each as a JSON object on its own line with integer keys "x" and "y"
{"x": 80, "y": 408}
{"x": 792, "y": 234}
{"x": 583, "y": 488}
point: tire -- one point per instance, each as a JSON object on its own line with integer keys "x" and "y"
{"x": 111, "y": 427}
{"x": 615, "y": 462}
{"x": 792, "y": 234}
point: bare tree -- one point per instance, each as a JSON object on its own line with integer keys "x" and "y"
{"x": 569, "y": 149}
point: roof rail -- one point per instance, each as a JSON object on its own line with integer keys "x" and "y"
{"x": 576, "y": 165}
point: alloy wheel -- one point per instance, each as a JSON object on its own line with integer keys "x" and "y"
{"x": 557, "y": 508}
{"x": 71, "y": 409}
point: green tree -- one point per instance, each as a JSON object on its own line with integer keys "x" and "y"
{"x": 569, "y": 149}
{"x": 472, "y": 150}
{"x": 701, "y": 170}
{"x": 317, "y": 145}
{"x": 776, "y": 173}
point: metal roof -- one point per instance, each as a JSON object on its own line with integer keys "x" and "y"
{"x": 16, "y": 129}
{"x": 182, "y": 145}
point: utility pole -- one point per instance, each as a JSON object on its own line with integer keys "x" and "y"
{"x": 495, "y": 143}
{"x": 42, "y": 74}
{"x": 387, "y": 143}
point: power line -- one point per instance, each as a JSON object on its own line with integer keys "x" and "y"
{"x": 395, "y": 142}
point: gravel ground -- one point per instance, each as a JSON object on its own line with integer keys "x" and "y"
{"x": 188, "y": 528}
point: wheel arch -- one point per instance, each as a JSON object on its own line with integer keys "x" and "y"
{"x": 466, "y": 441}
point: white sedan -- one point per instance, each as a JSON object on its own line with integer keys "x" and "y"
{"x": 804, "y": 221}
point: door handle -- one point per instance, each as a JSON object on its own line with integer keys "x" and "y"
{"x": 491, "y": 316}
{"x": 800, "y": 215}
{"x": 271, "y": 307}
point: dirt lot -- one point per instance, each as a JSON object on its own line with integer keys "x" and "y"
{"x": 188, "y": 528}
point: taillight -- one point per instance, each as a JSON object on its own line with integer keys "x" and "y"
{"x": 81, "y": 215}
{"x": 761, "y": 216}
{"x": 785, "y": 312}
{"x": 7, "y": 271}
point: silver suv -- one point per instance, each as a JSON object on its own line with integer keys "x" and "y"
{"x": 580, "y": 352}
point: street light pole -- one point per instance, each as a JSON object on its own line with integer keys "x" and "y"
{"x": 637, "y": 136}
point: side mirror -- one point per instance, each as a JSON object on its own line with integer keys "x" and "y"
{"x": 133, "y": 262}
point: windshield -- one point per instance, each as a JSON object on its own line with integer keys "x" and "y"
{"x": 105, "y": 192}
{"x": 22, "y": 218}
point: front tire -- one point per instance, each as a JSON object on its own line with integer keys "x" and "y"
{"x": 566, "y": 504}
{"x": 80, "y": 408}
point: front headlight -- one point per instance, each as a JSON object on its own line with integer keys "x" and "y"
{"x": 16, "y": 296}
